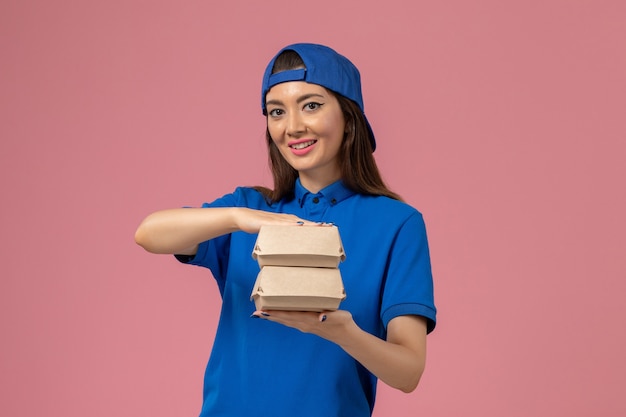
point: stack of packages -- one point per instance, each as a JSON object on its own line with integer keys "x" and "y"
{"x": 299, "y": 268}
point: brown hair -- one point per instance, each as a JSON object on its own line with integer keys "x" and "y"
{"x": 359, "y": 171}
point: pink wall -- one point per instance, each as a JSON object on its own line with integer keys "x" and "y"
{"x": 503, "y": 122}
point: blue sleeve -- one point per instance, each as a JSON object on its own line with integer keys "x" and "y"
{"x": 214, "y": 254}
{"x": 408, "y": 288}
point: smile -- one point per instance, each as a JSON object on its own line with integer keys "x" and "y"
{"x": 302, "y": 145}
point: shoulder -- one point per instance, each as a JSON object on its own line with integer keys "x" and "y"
{"x": 249, "y": 196}
{"x": 240, "y": 197}
{"x": 389, "y": 217}
{"x": 389, "y": 207}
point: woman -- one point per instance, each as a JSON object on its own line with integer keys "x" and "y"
{"x": 303, "y": 363}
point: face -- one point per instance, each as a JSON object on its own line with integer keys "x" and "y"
{"x": 307, "y": 125}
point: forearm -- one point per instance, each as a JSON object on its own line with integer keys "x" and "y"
{"x": 181, "y": 230}
{"x": 399, "y": 362}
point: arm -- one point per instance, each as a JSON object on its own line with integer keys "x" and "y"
{"x": 398, "y": 361}
{"x": 180, "y": 231}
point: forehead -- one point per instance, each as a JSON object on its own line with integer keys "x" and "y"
{"x": 293, "y": 90}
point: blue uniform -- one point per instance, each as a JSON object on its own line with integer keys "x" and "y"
{"x": 262, "y": 368}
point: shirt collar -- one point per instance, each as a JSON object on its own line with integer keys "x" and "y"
{"x": 334, "y": 193}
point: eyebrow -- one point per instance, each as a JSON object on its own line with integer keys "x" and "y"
{"x": 299, "y": 100}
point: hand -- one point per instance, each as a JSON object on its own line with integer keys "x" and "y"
{"x": 250, "y": 220}
{"x": 331, "y": 325}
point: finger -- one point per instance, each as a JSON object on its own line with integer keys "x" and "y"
{"x": 318, "y": 224}
{"x": 259, "y": 314}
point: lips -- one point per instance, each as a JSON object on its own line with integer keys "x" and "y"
{"x": 302, "y": 145}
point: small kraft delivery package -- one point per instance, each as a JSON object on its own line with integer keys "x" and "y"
{"x": 299, "y": 268}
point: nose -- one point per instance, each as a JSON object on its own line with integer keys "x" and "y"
{"x": 295, "y": 124}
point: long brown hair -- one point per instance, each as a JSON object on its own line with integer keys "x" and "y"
{"x": 359, "y": 171}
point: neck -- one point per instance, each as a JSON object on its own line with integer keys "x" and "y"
{"x": 315, "y": 183}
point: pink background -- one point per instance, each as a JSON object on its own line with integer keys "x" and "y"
{"x": 503, "y": 122}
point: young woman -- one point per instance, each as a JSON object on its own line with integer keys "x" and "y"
{"x": 293, "y": 363}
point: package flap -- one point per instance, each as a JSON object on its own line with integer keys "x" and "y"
{"x": 298, "y": 288}
{"x": 312, "y": 246}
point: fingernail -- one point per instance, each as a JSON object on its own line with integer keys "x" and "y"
{"x": 254, "y": 316}
{"x": 265, "y": 314}
{"x": 300, "y": 223}
{"x": 323, "y": 318}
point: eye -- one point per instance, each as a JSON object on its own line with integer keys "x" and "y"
{"x": 275, "y": 112}
{"x": 312, "y": 106}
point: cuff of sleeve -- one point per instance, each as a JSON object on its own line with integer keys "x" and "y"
{"x": 411, "y": 309}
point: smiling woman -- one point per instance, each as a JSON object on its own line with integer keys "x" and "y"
{"x": 306, "y": 124}
{"x": 358, "y": 167}
{"x": 308, "y": 363}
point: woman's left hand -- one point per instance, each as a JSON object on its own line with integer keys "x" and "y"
{"x": 331, "y": 325}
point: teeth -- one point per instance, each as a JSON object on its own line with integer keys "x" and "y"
{"x": 303, "y": 144}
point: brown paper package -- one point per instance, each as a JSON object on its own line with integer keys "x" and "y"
{"x": 299, "y": 268}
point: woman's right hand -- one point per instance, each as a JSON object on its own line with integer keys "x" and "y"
{"x": 250, "y": 220}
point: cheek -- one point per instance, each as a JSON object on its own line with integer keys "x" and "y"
{"x": 275, "y": 130}
{"x": 335, "y": 127}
